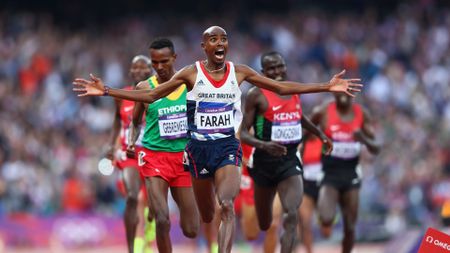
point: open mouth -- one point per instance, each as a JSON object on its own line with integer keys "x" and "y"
{"x": 220, "y": 53}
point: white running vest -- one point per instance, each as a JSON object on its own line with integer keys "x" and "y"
{"x": 214, "y": 107}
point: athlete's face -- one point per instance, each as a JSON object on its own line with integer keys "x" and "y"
{"x": 274, "y": 67}
{"x": 139, "y": 71}
{"x": 215, "y": 44}
{"x": 162, "y": 62}
{"x": 343, "y": 100}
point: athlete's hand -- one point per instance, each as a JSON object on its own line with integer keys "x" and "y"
{"x": 274, "y": 148}
{"x": 110, "y": 153}
{"x": 328, "y": 145}
{"x": 131, "y": 151}
{"x": 93, "y": 87}
{"x": 339, "y": 84}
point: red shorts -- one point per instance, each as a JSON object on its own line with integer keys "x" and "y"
{"x": 166, "y": 165}
{"x": 126, "y": 162}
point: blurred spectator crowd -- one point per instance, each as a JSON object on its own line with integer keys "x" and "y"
{"x": 51, "y": 141}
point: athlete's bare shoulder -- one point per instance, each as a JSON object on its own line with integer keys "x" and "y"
{"x": 322, "y": 107}
{"x": 188, "y": 70}
{"x": 243, "y": 69}
{"x": 254, "y": 92}
{"x": 188, "y": 74}
{"x": 243, "y": 72}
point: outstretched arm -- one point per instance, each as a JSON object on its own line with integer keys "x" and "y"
{"x": 96, "y": 87}
{"x": 313, "y": 129}
{"x": 366, "y": 135}
{"x": 251, "y": 109}
{"x": 336, "y": 84}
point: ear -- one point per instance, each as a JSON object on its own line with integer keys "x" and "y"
{"x": 174, "y": 56}
{"x": 202, "y": 44}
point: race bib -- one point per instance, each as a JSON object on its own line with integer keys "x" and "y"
{"x": 141, "y": 160}
{"x": 346, "y": 150}
{"x": 173, "y": 126}
{"x": 286, "y": 132}
{"x": 312, "y": 172}
{"x": 215, "y": 119}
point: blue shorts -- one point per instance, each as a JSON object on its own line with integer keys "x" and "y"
{"x": 203, "y": 158}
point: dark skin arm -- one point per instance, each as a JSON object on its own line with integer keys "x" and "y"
{"x": 253, "y": 106}
{"x": 336, "y": 84}
{"x": 313, "y": 129}
{"x": 96, "y": 87}
{"x": 138, "y": 112}
{"x": 115, "y": 131}
{"x": 366, "y": 135}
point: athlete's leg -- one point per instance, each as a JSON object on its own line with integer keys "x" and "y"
{"x": 249, "y": 222}
{"x": 227, "y": 180}
{"x": 264, "y": 197}
{"x": 139, "y": 242}
{"x": 327, "y": 203}
{"x": 290, "y": 191}
{"x": 189, "y": 218}
{"x": 204, "y": 197}
{"x": 349, "y": 206}
{"x": 132, "y": 183}
{"x": 305, "y": 227}
{"x": 271, "y": 239}
{"x": 157, "y": 189}
{"x": 210, "y": 231}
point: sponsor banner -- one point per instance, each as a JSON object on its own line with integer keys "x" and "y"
{"x": 435, "y": 241}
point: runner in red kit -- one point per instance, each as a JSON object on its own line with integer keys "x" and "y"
{"x": 140, "y": 70}
{"x": 349, "y": 126}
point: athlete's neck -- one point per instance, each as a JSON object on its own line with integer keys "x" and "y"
{"x": 213, "y": 67}
{"x": 344, "y": 109}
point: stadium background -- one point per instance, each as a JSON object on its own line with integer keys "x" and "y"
{"x": 51, "y": 194}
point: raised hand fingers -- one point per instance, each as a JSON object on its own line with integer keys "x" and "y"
{"x": 340, "y": 74}
{"x": 353, "y": 89}
{"x": 94, "y": 78}
{"x": 349, "y": 93}
{"x": 80, "y": 81}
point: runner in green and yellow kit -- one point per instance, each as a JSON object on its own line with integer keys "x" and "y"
{"x": 164, "y": 140}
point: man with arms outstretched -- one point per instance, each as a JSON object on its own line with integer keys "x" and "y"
{"x": 213, "y": 110}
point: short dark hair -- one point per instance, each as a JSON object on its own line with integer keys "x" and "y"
{"x": 267, "y": 54}
{"x": 160, "y": 43}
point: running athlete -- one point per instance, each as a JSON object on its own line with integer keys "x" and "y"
{"x": 275, "y": 166}
{"x": 349, "y": 126}
{"x": 165, "y": 137}
{"x": 139, "y": 70}
{"x": 249, "y": 219}
{"x": 213, "y": 152}
{"x": 312, "y": 170}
